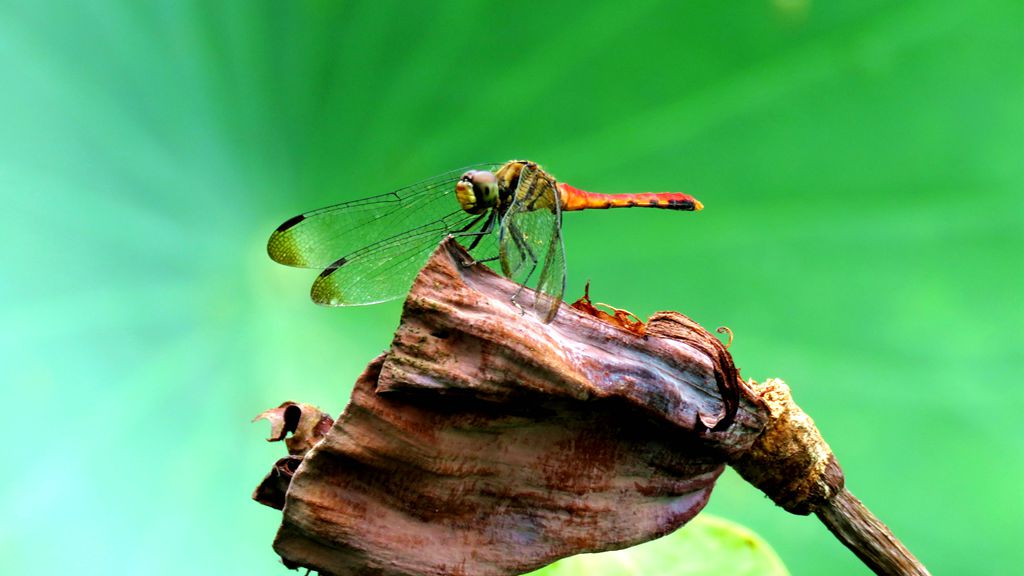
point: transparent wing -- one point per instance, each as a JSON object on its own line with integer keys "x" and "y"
{"x": 319, "y": 238}
{"x": 530, "y": 245}
{"x": 385, "y": 269}
{"x": 551, "y": 284}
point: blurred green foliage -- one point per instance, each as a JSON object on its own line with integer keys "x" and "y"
{"x": 706, "y": 546}
{"x": 860, "y": 163}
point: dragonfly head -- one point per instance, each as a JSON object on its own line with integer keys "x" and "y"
{"x": 477, "y": 191}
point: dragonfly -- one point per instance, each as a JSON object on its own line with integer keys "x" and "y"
{"x": 370, "y": 250}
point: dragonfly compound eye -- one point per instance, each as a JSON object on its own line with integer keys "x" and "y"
{"x": 477, "y": 191}
{"x": 485, "y": 186}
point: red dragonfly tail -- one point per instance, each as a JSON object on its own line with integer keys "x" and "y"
{"x": 576, "y": 199}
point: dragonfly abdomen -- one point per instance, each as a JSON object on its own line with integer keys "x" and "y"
{"x": 575, "y": 199}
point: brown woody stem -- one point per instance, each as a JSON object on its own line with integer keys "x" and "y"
{"x": 795, "y": 467}
{"x": 858, "y": 529}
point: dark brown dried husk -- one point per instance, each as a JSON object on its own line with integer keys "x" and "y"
{"x": 486, "y": 442}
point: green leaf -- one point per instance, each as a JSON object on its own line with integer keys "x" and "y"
{"x": 706, "y": 546}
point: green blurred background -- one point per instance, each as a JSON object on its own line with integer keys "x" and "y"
{"x": 860, "y": 162}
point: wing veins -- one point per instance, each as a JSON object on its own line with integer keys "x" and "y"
{"x": 317, "y": 238}
{"x": 438, "y": 227}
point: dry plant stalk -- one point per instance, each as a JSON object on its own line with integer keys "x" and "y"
{"x": 485, "y": 442}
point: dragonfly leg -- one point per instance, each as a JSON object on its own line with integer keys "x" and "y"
{"x": 488, "y": 227}
{"x": 478, "y": 236}
{"x": 482, "y": 260}
{"x": 465, "y": 230}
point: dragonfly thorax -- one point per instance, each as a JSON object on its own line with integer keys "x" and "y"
{"x": 477, "y": 191}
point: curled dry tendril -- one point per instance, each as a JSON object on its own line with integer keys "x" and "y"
{"x": 725, "y": 330}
